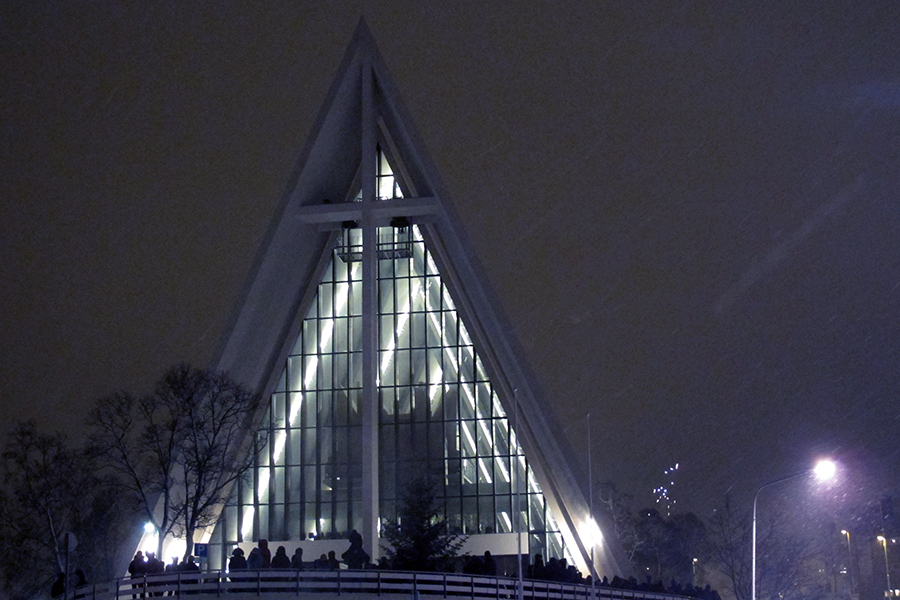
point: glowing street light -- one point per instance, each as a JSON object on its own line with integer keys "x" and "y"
{"x": 849, "y": 559}
{"x": 887, "y": 569}
{"x": 824, "y": 470}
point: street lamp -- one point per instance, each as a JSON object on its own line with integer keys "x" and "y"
{"x": 824, "y": 470}
{"x": 849, "y": 559}
{"x": 887, "y": 568}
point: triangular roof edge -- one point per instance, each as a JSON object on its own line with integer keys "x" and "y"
{"x": 362, "y": 39}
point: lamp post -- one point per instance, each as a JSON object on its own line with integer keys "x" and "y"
{"x": 520, "y": 587}
{"x": 887, "y": 568}
{"x": 591, "y": 502}
{"x": 823, "y": 470}
{"x": 849, "y": 559}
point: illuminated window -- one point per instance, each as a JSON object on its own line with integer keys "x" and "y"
{"x": 439, "y": 414}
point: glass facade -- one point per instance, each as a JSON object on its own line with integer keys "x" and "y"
{"x": 439, "y": 415}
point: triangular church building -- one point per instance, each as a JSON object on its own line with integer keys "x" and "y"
{"x": 367, "y": 325}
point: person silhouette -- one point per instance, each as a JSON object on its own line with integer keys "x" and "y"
{"x": 281, "y": 560}
{"x": 297, "y": 560}
{"x": 355, "y": 556}
{"x": 266, "y": 554}
{"x": 59, "y": 586}
{"x": 255, "y": 560}
{"x": 237, "y": 562}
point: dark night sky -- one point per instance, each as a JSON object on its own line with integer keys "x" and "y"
{"x": 689, "y": 209}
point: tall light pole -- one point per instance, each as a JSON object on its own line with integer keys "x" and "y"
{"x": 887, "y": 568}
{"x": 823, "y": 470}
{"x": 520, "y": 587}
{"x": 591, "y": 501}
{"x": 849, "y": 559}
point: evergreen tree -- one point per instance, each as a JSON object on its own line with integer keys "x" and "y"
{"x": 418, "y": 540}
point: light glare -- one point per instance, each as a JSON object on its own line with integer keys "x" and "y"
{"x": 592, "y": 534}
{"x": 825, "y": 470}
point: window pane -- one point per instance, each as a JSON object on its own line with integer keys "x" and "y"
{"x": 356, "y": 298}
{"x": 417, "y": 367}
{"x": 278, "y": 484}
{"x": 448, "y": 320}
{"x": 295, "y": 373}
{"x": 341, "y": 335}
{"x": 417, "y": 330}
{"x": 355, "y": 333}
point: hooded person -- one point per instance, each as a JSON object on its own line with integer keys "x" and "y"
{"x": 255, "y": 560}
{"x": 265, "y": 552}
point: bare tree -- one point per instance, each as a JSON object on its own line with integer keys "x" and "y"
{"x": 138, "y": 440}
{"x": 729, "y": 546}
{"x": 49, "y": 489}
{"x": 619, "y": 507}
{"x": 180, "y": 449}
{"x": 45, "y": 480}
{"x": 788, "y": 558}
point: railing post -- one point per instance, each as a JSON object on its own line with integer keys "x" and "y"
{"x": 379, "y": 583}
{"x": 339, "y": 581}
{"x": 445, "y": 585}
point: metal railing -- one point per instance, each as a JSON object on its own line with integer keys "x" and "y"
{"x": 374, "y": 582}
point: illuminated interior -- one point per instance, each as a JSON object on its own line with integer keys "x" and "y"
{"x": 440, "y": 416}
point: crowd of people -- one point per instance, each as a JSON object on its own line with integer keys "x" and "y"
{"x": 261, "y": 558}
{"x": 557, "y": 569}
{"x": 675, "y": 588}
{"x": 151, "y": 565}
